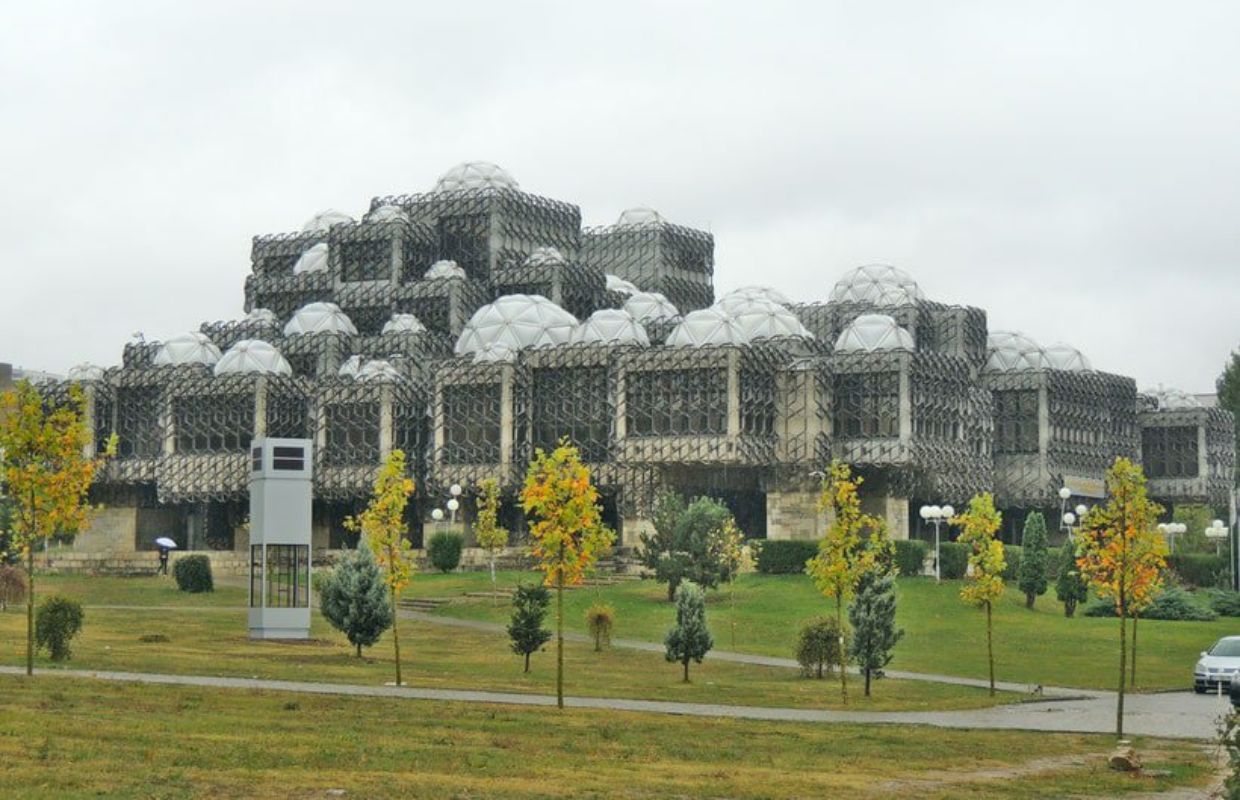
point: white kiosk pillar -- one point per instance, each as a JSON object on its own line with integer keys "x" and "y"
{"x": 280, "y": 475}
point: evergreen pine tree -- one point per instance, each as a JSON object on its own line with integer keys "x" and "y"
{"x": 1070, "y": 587}
{"x": 529, "y": 609}
{"x": 354, "y": 598}
{"x": 689, "y": 640}
{"x": 873, "y": 619}
{"x": 1034, "y": 558}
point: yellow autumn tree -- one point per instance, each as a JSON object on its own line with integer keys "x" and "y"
{"x": 383, "y": 525}
{"x": 490, "y": 536}
{"x": 854, "y": 544}
{"x": 728, "y": 546}
{"x": 45, "y": 474}
{"x": 984, "y": 584}
{"x": 1121, "y": 554}
{"x": 567, "y": 533}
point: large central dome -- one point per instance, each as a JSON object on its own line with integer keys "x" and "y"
{"x": 878, "y": 285}
{"x": 475, "y": 175}
{"x": 517, "y": 321}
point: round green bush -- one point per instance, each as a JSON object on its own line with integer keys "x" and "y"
{"x": 193, "y": 574}
{"x": 953, "y": 560}
{"x": 818, "y": 647}
{"x": 1173, "y": 604}
{"x": 910, "y": 555}
{"x": 57, "y": 620}
{"x": 444, "y": 550}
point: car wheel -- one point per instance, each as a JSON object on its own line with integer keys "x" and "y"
{"x": 1199, "y": 689}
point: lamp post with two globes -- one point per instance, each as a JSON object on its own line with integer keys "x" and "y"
{"x": 1169, "y": 530}
{"x": 1074, "y": 519}
{"x": 1218, "y": 532}
{"x": 937, "y": 515}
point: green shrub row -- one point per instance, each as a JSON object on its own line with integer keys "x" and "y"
{"x": 910, "y": 555}
{"x": 953, "y": 560}
{"x": 1201, "y": 570}
{"x": 1172, "y": 604}
{"x": 785, "y": 557}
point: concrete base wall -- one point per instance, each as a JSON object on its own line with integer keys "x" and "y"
{"x": 112, "y": 530}
{"x": 631, "y": 529}
{"x": 794, "y": 515}
{"x": 893, "y": 510}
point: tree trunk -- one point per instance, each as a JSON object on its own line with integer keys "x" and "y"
{"x": 396, "y": 637}
{"x": 30, "y": 609}
{"x": 1069, "y": 608}
{"x": 494, "y": 585}
{"x": 867, "y": 681}
{"x": 990, "y": 649}
{"x": 559, "y": 633}
{"x": 1132, "y": 674}
{"x": 839, "y": 622}
{"x": 1123, "y": 669}
{"x": 1029, "y": 598}
{"x": 527, "y": 661}
{"x": 686, "y": 662}
{"x": 819, "y": 670}
{"x": 671, "y": 591}
{"x": 732, "y": 608}
{"x": 359, "y": 650}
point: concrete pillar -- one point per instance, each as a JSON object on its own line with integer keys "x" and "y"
{"x": 793, "y": 514}
{"x": 260, "y": 407}
{"x": 906, "y": 404}
{"x": 506, "y": 418}
{"x": 631, "y": 529}
{"x": 113, "y": 529}
{"x": 734, "y": 393}
{"x": 385, "y": 423}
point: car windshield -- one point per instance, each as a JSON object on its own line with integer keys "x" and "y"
{"x": 1226, "y": 647}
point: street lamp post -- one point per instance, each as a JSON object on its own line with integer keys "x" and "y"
{"x": 454, "y": 503}
{"x": 937, "y": 515}
{"x": 1064, "y": 494}
{"x": 437, "y": 515}
{"x": 1217, "y": 532}
{"x": 1169, "y": 530}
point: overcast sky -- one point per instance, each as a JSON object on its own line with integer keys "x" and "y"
{"x": 1073, "y": 168}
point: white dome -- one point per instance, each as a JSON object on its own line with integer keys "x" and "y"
{"x": 313, "y": 260}
{"x": 388, "y": 213}
{"x": 319, "y": 318}
{"x": 444, "y": 269}
{"x": 378, "y": 370}
{"x": 646, "y": 307}
{"x": 85, "y": 371}
{"x": 1169, "y": 399}
{"x": 1066, "y": 357}
{"x": 351, "y": 367}
{"x": 879, "y": 285}
{"x": 639, "y": 215}
{"x": 545, "y": 256}
{"x": 751, "y": 293}
{"x": 252, "y": 355}
{"x": 870, "y": 332}
{"x": 518, "y": 320}
{"x": 495, "y": 353}
{"x": 762, "y": 319}
{"x": 706, "y": 326}
{"x": 617, "y": 284}
{"x": 324, "y": 220}
{"x": 1012, "y": 351}
{"x": 610, "y": 326}
{"x": 403, "y": 323}
{"x": 475, "y": 175}
{"x": 188, "y": 348}
{"x": 263, "y": 316}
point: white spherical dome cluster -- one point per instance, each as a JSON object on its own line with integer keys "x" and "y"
{"x": 350, "y": 367}
{"x": 475, "y": 175}
{"x": 871, "y": 332}
{"x": 759, "y": 318}
{"x": 747, "y": 293}
{"x": 518, "y": 321}
{"x": 263, "y": 316}
{"x": 314, "y": 259}
{"x": 403, "y": 323}
{"x": 189, "y": 348}
{"x": 319, "y": 318}
{"x": 877, "y": 285}
{"x": 640, "y": 215}
{"x": 545, "y": 257}
{"x": 85, "y": 371}
{"x": 388, "y": 213}
{"x": 707, "y": 326}
{"x": 495, "y": 353}
{"x": 610, "y": 326}
{"x": 252, "y": 356}
{"x": 1066, "y": 357}
{"x": 617, "y": 284}
{"x": 378, "y": 369}
{"x": 646, "y": 307}
{"x": 444, "y": 269}
{"x": 1167, "y": 398}
{"x": 324, "y": 220}
{"x": 1013, "y": 351}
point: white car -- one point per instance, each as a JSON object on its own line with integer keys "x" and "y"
{"x": 1218, "y": 665}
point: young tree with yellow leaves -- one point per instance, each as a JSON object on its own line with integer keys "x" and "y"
{"x": 383, "y": 525}
{"x": 567, "y": 533}
{"x": 855, "y": 543}
{"x": 487, "y": 530}
{"x": 728, "y": 544}
{"x": 984, "y": 585}
{"x": 1121, "y": 554}
{"x": 46, "y": 474}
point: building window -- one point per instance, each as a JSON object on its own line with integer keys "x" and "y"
{"x": 214, "y": 424}
{"x": 137, "y": 421}
{"x": 366, "y": 260}
{"x": 572, "y": 403}
{"x": 464, "y": 238}
{"x": 287, "y": 576}
{"x": 1170, "y": 452}
{"x": 676, "y": 402}
{"x": 867, "y": 405}
{"x": 1016, "y": 421}
{"x": 471, "y": 423}
{"x": 352, "y": 434}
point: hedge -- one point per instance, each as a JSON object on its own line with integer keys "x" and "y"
{"x": 910, "y": 555}
{"x": 1172, "y": 604}
{"x": 953, "y": 560}
{"x": 785, "y": 556}
{"x": 1198, "y": 569}
{"x": 193, "y": 574}
{"x": 1012, "y": 556}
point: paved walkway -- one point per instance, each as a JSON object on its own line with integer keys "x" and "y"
{"x": 1181, "y": 715}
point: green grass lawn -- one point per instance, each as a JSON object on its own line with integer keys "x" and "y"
{"x": 63, "y": 738}
{"x": 942, "y": 634}
{"x": 213, "y": 641}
